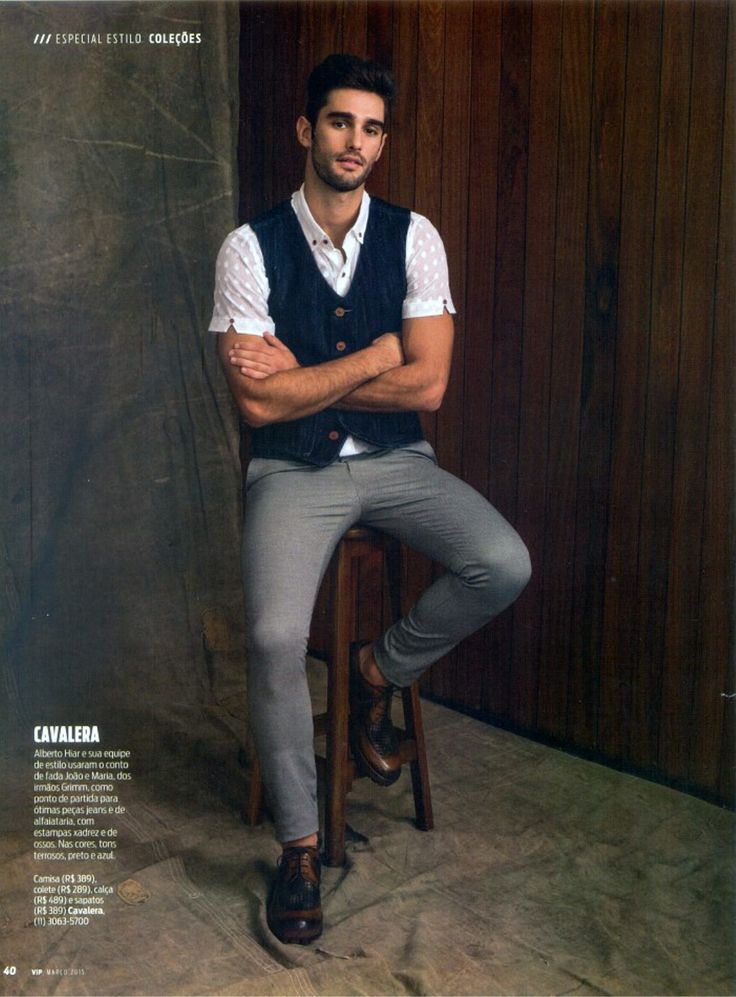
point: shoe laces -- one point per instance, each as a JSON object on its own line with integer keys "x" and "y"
{"x": 300, "y": 861}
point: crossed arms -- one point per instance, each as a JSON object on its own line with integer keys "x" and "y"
{"x": 406, "y": 373}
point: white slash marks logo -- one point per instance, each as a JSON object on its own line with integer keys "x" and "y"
{"x": 42, "y": 39}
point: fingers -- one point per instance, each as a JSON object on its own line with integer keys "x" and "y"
{"x": 274, "y": 343}
{"x": 267, "y": 351}
{"x": 251, "y": 366}
{"x": 252, "y": 344}
{"x": 254, "y": 355}
{"x": 248, "y": 356}
{"x": 390, "y": 343}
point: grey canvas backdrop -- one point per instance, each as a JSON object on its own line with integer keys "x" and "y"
{"x": 120, "y": 476}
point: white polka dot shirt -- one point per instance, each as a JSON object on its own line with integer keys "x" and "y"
{"x": 241, "y": 284}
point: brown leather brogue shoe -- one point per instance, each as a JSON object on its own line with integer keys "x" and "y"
{"x": 294, "y": 912}
{"x": 373, "y": 737}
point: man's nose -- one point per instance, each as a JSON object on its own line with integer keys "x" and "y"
{"x": 355, "y": 138}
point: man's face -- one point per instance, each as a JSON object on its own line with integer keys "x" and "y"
{"x": 348, "y": 138}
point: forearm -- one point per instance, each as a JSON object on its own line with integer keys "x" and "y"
{"x": 412, "y": 387}
{"x": 302, "y": 391}
{"x": 419, "y": 385}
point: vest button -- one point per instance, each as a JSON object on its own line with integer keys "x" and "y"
{"x": 333, "y": 435}
{"x": 340, "y": 346}
{"x": 339, "y": 311}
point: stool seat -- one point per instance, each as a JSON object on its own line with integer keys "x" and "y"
{"x": 362, "y": 533}
{"x": 364, "y": 556}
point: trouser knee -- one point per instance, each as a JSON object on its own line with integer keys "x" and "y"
{"x": 501, "y": 575}
{"x": 276, "y": 651}
{"x": 278, "y": 692}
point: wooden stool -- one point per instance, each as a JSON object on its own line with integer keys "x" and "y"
{"x": 336, "y": 624}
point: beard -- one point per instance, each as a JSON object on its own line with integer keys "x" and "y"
{"x": 328, "y": 175}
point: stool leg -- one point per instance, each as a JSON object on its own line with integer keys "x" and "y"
{"x": 410, "y": 698}
{"x": 419, "y": 767}
{"x": 392, "y": 554}
{"x": 337, "y": 710}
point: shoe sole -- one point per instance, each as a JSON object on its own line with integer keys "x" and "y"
{"x": 296, "y": 935}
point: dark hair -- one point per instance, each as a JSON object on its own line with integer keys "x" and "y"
{"x": 343, "y": 71}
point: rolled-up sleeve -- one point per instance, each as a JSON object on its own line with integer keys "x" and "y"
{"x": 241, "y": 286}
{"x": 427, "y": 279}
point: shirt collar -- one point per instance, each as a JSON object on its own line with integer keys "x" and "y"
{"x": 314, "y": 233}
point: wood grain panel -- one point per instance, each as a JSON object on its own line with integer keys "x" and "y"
{"x": 380, "y": 37}
{"x": 427, "y": 192}
{"x": 485, "y": 88}
{"x": 719, "y": 540}
{"x": 354, "y": 17}
{"x": 320, "y": 31}
{"x": 513, "y": 146}
{"x": 452, "y": 221}
{"x": 713, "y": 667}
{"x": 544, "y": 100}
{"x": 567, "y": 352}
{"x": 379, "y": 46}
{"x": 619, "y": 650}
{"x": 598, "y": 370}
{"x": 691, "y": 427}
{"x": 402, "y": 139}
{"x": 572, "y": 155}
{"x": 287, "y": 164}
{"x": 658, "y": 453}
{"x": 452, "y": 224}
{"x": 272, "y": 90}
{"x": 472, "y": 434}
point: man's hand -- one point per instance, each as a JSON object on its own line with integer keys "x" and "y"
{"x": 390, "y": 345}
{"x": 261, "y": 356}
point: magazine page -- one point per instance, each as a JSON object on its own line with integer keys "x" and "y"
{"x": 496, "y": 441}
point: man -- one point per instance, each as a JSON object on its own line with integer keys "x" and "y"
{"x": 335, "y": 322}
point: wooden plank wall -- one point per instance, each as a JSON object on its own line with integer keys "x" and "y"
{"x": 574, "y": 157}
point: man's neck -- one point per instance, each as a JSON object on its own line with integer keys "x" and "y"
{"x": 334, "y": 211}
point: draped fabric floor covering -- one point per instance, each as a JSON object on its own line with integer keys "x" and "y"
{"x": 545, "y": 874}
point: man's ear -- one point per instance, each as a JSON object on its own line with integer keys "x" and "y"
{"x": 304, "y": 132}
{"x": 383, "y": 143}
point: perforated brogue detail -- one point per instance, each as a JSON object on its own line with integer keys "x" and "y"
{"x": 294, "y": 907}
{"x": 373, "y": 736}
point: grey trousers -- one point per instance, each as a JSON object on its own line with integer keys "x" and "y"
{"x": 295, "y": 515}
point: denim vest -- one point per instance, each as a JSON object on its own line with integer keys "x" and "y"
{"x": 317, "y": 325}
